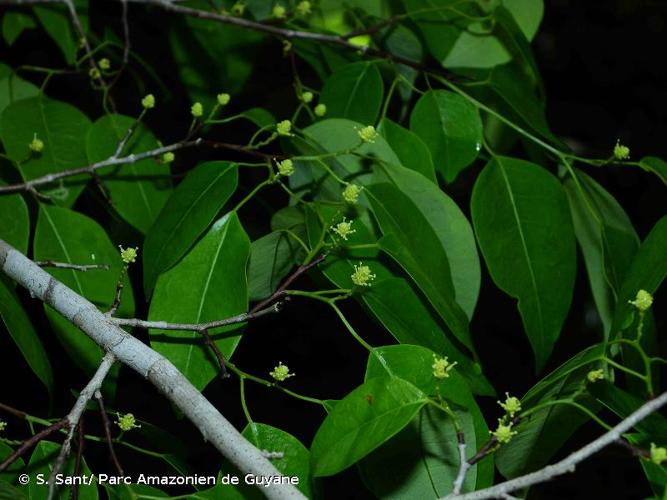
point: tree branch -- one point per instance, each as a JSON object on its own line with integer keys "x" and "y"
{"x": 148, "y": 363}
{"x": 569, "y": 463}
{"x": 29, "y": 443}
{"x": 75, "y": 267}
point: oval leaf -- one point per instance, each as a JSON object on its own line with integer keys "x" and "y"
{"x": 362, "y": 421}
{"x": 451, "y": 128}
{"x": 186, "y": 215}
{"x": 524, "y": 229}
{"x": 215, "y": 269}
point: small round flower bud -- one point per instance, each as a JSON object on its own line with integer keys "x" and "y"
{"x": 197, "y": 109}
{"x": 643, "y": 301}
{"x": 351, "y": 193}
{"x": 303, "y": 8}
{"x": 595, "y": 375}
{"x": 321, "y": 110}
{"x": 168, "y": 157}
{"x": 621, "y": 152}
{"x": 658, "y": 454}
{"x": 362, "y": 275}
{"x": 284, "y": 127}
{"x": 441, "y": 367}
{"x": 279, "y": 11}
{"x": 367, "y": 134}
{"x": 94, "y": 73}
{"x": 238, "y": 8}
{"x": 36, "y": 145}
{"x": 104, "y": 63}
{"x": 511, "y": 405}
{"x": 504, "y": 433}
{"x": 223, "y": 99}
{"x": 127, "y": 422}
{"x": 307, "y": 97}
{"x": 148, "y": 102}
{"x": 286, "y": 167}
{"x": 281, "y": 372}
{"x": 129, "y": 255}
{"x": 343, "y": 229}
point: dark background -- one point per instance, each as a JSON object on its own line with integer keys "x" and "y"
{"x": 603, "y": 66}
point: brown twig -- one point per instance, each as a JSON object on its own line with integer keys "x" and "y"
{"x": 221, "y": 359}
{"x": 281, "y": 289}
{"x": 107, "y": 433}
{"x": 119, "y": 292}
{"x": 17, "y": 413}
{"x": 29, "y": 443}
{"x": 74, "y": 492}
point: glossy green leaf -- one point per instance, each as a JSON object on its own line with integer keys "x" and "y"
{"x": 422, "y": 460}
{"x": 9, "y": 492}
{"x": 11, "y": 473}
{"x": 410, "y": 149}
{"x": 363, "y": 420}
{"x": 607, "y": 239}
{"x": 400, "y": 40}
{"x": 14, "y": 23}
{"x": 544, "y": 432}
{"x": 451, "y": 128}
{"x": 138, "y": 190}
{"x": 63, "y": 235}
{"x": 24, "y": 335}
{"x": 215, "y": 268}
{"x": 188, "y": 212}
{"x": 271, "y": 258}
{"x": 354, "y": 92}
{"x": 524, "y": 229}
{"x": 41, "y": 462}
{"x": 412, "y": 243}
{"x": 296, "y": 457}
{"x": 63, "y": 130}
{"x": 15, "y": 221}
{"x": 656, "y": 165}
{"x": 647, "y": 271}
{"x": 57, "y": 21}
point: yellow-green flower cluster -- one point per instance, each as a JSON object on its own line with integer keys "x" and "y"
{"x": 129, "y": 255}
{"x": 307, "y": 97}
{"x": 284, "y": 127}
{"x": 3, "y": 425}
{"x": 281, "y": 372}
{"x": 658, "y": 454}
{"x": 36, "y": 145}
{"x": 343, "y": 229}
{"x": 168, "y": 157}
{"x": 104, "y": 63}
{"x": 279, "y": 11}
{"x": 595, "y": 375}
{"x": 303, "y": 8}
{"x": 197, "y": 109}
{"x": 504, "y": 432}
{"x": 286, "y": 167}
{"x": 223, "y": 99}
{"x": 351, "y": 193}
{"x": 441, "y": 367}
{"x": 511, "y": 405}
{"x": 148, "y": 102}
{"x": 643, "y": 301}
{"x": 367, "y": 134}
{"x": 621, "y": 152}
{"x": 321, "y": 110}
{"x": 127, "y": 422}
{"x": 362, "y": 275}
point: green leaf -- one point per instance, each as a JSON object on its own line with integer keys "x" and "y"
{"x": 296, "y": 457}
{"x": 11, "y": 473}
{"x": 188, "y": 212}
{"x": 410, "y": 149}
{"x": 57, "y": 22}
{"x": 607, "y": 239}
{"x": 15, "y": 221}
{"x": 13, "y": 88}
{"x": 362, "y": 421}
{"x": 138, "y": 190}
{"x": 14, "y": 23}
{"x": 24, "y": 335}
{"x": 411, "y": 242}
{"x": 422, "y": 460}
{"x": 271, "y": 258}
{"x": 63, "y": 235}
{"x": 215, "y": 269}
{"x": 9, "y": 492}
{"x": 354, "y": 92}
{"x": 61, "y": 127}
{"x": 524, "y": 229}
{"x": 451, "y": 128}
{"x": 41, "y": 462}
{"x": 656, "y": 165}
{"x": 545, "y": 431}
{"x": 212, "y": 57}
{"x": 647, "y": 271}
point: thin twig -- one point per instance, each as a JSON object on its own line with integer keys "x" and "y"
{"x": 569, "y": 463}
{"x": 74, "y": 493}
{"x": 463, "y": 464}
{"x": 107, "y": 433}
{"x": 75, "y": 415}
{"x": 281, "y": 289}
{"x": 75, "y": 267}
{"x": 195, "y": 327}
{"x": 29, "y": 443}
{"x": 17, "y": 413}
{"x": 221, "y": 359}
{"x": 119, "y": 292}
